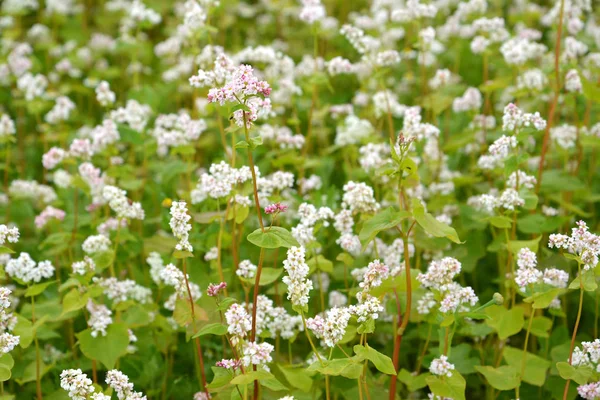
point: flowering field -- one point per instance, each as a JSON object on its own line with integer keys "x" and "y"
{"x": 299, "y": 199}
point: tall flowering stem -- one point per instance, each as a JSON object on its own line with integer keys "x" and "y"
{"x": 575, "y": 328}
{"x": 555, "y": 99}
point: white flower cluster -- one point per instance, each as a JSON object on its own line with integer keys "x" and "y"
{"x": 7, "y": 126}
{"x": 312, "y": 11}
{"x": 517, "y": 51}
{"x": 84, "y": 267}
{"x": 441, "y": 367}
{"x": 219, "y": 181}
{"x": 282, "y": 135}
{"x": 297, "y": 269}
{"x": 257, "y": 354}
{"x": 61, "y": 110}
{"x": 170, "y": 275}
{"x": 471, "y": 100}
{"x": 32, "y": 190}
{"x": 172, "y": 130}
{"x": 100, "y": 318}
{"x": 565, "y": 135}
{"x": 582, "y": 243}
{"x": 508, "y": 200}
{"x": 96, "y": 244}
{"x": 276, "y": 320}
{"x": 104, "y": 95}
{"x": 353, "y": 131}
{"x": 120, "y": 291}
{"x": 359, "y": 198}
{"x": 76, "y": 383}
{"x": 180, "y": 225}
{"x": 246, "y": 269}
{"x": 124, "y": 208}
{"x": 514, "y": 118}
{"x": 27, "y": 270}
{"x": 121, "y": 385}
{"x": 7, "y": 234}
{"x": 239, "y": 322}
{"x": 134, "y": 114}
{"x": 439, "y": 278}
{"x": 309, "y": 216}
{"x": 498, "y": 151}
{"x": 332, "y": 328}
{"x": 8, "y": 321}
{"x": 532, "y": 79}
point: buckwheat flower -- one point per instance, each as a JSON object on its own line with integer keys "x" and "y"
{"x": 298, "y": 290}
{"x": 332, "y": 328}
{"x": 526, "y": 258}
{"x": 96, "y": 244}
{"x": 81, "y": 148}
{"x": 580, "y": 358}
{"x": 520, "y": 179}
{"x": 48, "y": 213}
{"x": 564, "y": 135}
{"x": 352, "y": 131}
{"x": 212, "y": 254}
{"x": 32, "y": 190}
{"x": 213, "y": 290}
{"x": 229, "y": 364}
{"x": 124, "y": 208}
{"x": 120, "y": 384}
{"x": 104, "y": 95}
{"x": 173, "y": 130}
{"x": 61, "y": 110}
{"x": 238, "y": 322}
{"x": 62, "y": 179}
{"x": 549, "y": 211}
{"x": 7, "y": 126}
{"x": 76, "y": 383}
{"x": 339, "y": 65}
{"x": 180, "y": 225}
{"x": 514, "y": 118}
{"x": 53, "y": 157}
{"x": 8, "y": 342}
{"x": 440, "y": 273}
{"x": 517, "y": 51}
{"x": 374, "y": 275}
{"x": 509, "y": 199}
{"x": 590, "y": 391}
{"x": 257, "y": 354}
{"x": 32, "y": 86}
{"x": 527, "y": 273}
{"x": 100, "y": 396}
{"x": 100, "y": 318}
{"x": 312, "y": 11}
{"x": 359, "y": 197}
{"x": 368, "y": 308}
{"x": 581, "y": 243}
{"x": 246, "y": 269}
{"x": 470, "y": 100}
{"x": 275, "y": 208}
{"x": 287, "y": 398}
{"x": 119, "y": 291}
{"x": 84, "y": 267}
{"x": 441, "y": 367}
{"x": 532, "y": 79}
{"x": 426, "y": 303}
{"x": 337, "y": 299}
{"x": 27, "y": 270}
{"x": 479, "y": 44}
{"x": 441, "y": 78}
{"x": 134, "y": 114}
{"x": 7, "y": 234}
{"x": 457, "y": 297}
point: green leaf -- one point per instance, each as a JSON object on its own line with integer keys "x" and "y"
{"x": 444, "y": 386}
{"x": 321, "y": 263}
{"x": 581, "y": 374}
{"x": 413, "y": 383}
{"x": 346, "y": 367}
{"x": 179, "y": 254}
{"x": 297, "y": 377}
{"x": 543, "y": 299}
{"x": 38, "y": 288}
{"x": 221, "y": 378}
{"x": 588, "y": 279}
{"x": 382, "y": 362}
{"x": 23, "y": 329}
{"x": 501, "y": 378}
{"x": 5, "y": 250}
{"x": 540, "y": 326}
{"x": 500, "y": 221}
{"x": 217, "y": 329}
{"x": 432, "y": 225}
{"x": 535, "y": 366}
{"x": 272, "y": 238}
{"x": 384, "y": 220}
{"x": 505, "y": 322}
{"x": 250, "y": 377}
{"x": 5, "y": 373}
{"x": 590, "y": 90}
{"x": 106, "y": 349}
{"x": 74, "y": 300}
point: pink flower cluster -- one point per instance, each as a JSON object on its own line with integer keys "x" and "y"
{"x": 48, "y": 213}
{"x": 229, "y": 364}
{"x": 275, "y": 208}
{"x": 242, "y": 85}
{"x": 214, "y": 290}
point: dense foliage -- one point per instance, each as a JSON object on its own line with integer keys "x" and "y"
{"x": 285, "y": 199}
